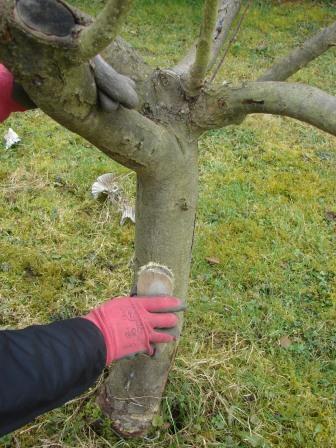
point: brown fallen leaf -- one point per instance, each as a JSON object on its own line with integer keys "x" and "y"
{"x": 212, "y": 260}
{"x": 330, "y": 216}
{"x": 285, "y": 341}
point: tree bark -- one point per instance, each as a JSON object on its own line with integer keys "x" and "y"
{"x": 165, "y": 219}
{"x": 230, "y": 105}
{"x": 227, "y": 12}
{"x": 98, "y": 35}
{"x": 195, "y": 77}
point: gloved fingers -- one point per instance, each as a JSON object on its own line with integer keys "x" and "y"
{"x": 163, "y": 320}
{"x": 106, "y": 103}
{"x": 162, "y": 304}
{"x": 160, "y": 336}
{"x": 118, "y": 87}
{"x": 127, "y": 80}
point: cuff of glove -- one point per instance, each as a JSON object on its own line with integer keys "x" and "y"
{"x": 7, "y": 102}
{"x": 94, "y": 318}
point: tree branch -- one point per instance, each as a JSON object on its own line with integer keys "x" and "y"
{"x": 194, "y": 79}
{"x": 227, "y": 12}
{"x": 233, "y": 38}
{"x": 231, "y": 105}
{"x": 302, "y": 55}
{"x": 68, "y": 93}
{"x": 126, "y": 60}
{"x": 94, "y": 38}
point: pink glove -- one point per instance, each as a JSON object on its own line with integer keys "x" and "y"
{"x": 7, "y": 104}
{"x": 129, "y": 324}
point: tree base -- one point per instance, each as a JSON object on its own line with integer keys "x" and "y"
{"x": 132, "y": 394}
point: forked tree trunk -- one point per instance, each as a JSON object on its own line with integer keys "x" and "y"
{"x": 162, "y": 150}
{"x": 158, "y": 141}
{"x": 165, "y": 218}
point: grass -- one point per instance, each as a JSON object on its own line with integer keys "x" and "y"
{"x": 256, "y": 367}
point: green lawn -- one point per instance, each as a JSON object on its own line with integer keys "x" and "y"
{"x": 256, "y": 365}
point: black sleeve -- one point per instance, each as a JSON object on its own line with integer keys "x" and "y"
{"x": 44, "y": 366}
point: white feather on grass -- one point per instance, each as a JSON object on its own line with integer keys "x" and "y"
{"x": 11, "y": 138}
{"x": 106, "y": 185}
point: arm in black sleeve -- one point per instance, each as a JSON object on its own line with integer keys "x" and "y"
{"x": 44, "y": 366}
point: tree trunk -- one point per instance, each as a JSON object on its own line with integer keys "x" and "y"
{"x": 165, "y": 219}
{"x": 158, "y": 141}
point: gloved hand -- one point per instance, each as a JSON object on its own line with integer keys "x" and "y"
{"x": 131, "y": 325}
{"x": 7, "y": 102}
{"x": 113, "y": 88}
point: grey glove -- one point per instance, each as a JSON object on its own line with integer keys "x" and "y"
{"x": 113, "y": 88}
